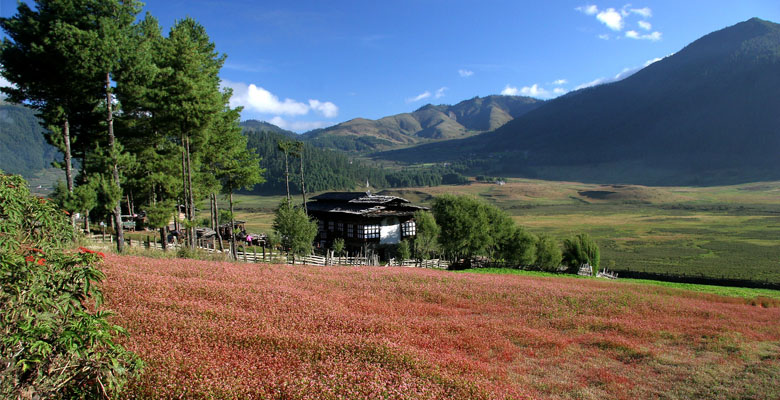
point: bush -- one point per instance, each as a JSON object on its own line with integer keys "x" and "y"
{"x": 55, "y": 341}
{"x": 295, "y": 229}
{"x": 579, "y": 250}
{"x": 402, "y": 251}
{"x": 548, "y": 254}
{"x": 519, "y": 248}
{"x": 338, "y": 247}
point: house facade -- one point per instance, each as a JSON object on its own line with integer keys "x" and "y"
{"x": 368, "y": 223}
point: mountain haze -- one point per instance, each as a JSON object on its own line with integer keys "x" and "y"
{"x": 709, "y": 114}
{"x": 428, "y": 123}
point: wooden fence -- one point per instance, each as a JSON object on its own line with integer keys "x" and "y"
{"x": 267, "y": 255}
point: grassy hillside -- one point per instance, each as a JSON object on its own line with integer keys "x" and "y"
{"x": 238, "y": 331}
{"x": 706, "y": 115}
{"x": 23, "y": 148}
{"x": 428, "y": 123}
{"x": 728, "y": 232}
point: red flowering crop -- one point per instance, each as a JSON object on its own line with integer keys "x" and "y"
{"x": 232, "y": 330}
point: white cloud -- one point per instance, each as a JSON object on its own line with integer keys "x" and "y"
{"x": 534, "y": 91}
{"x": 465, "y": 73}
{"x": 298, "y": 126}
{"x": 625, "y": 73}
{"x": 604, "y": 36}
{"x": 645, "y": 12}
{"x": 510, "y": 91}
{"x": 611, "y": 18}
{"x": 259, "y": 100}
{"x": 327, "y": 109}
{"x": 645, "y": 25}
{"x": 440, "y": 92}
{"x": 589, "y": 9}
{"x": 423, "y": 95}
{"x": 559, "y": 91}
{"x": 653, "y": 37}
{"x": 560, "y": 82}
{"x": 648, "y": 62}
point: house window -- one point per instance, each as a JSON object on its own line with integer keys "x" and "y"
{"x": 350, "y": 230}
{"x": 408, "y": 228}
{"x": 368, "y": 231}
{"x": 371, "y": 231}
{"x": 340, "y": 227}
{"x": 330, "y": 226}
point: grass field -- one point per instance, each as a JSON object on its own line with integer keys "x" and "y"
{"x": 249, "y": 331}
{"x": 730, "y": 232}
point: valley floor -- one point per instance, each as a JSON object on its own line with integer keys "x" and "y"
{"x": 234, "y": 330}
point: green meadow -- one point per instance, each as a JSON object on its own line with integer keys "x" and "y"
{"x": 725, "y": 232}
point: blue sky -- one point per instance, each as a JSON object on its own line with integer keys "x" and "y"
{"x": 309, "y": 64}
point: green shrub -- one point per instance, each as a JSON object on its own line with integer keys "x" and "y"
{"x": 338, "y": 247}
{"x": 548, "y": 254}
{"x": 579, "y": 250}
{"x": 55, "y": 341}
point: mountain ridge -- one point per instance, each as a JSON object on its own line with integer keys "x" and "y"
{"x": 427, "y": 123}
{"x": 704, "y": 115}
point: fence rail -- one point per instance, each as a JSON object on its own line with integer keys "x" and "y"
{"x": 266, "y": 255}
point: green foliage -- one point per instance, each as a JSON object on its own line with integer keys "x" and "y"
{"x": 548, "y": 253}
{"x": 55, "y": 342}
{"x": 579, "y": 250}
{"x": 296, "y": 230}
{"x": 464, "y": 223}
{"x": 426, "y": 241}
{"x": 23, "y": 149}
{"x": 338, "y": 246}
{"x": 403, "y": 252}
{"x": 519, "y": 247}
{"x": 158, "y": 215}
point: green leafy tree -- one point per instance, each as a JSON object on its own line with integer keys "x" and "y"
{"x": 465, "y": 226}
{"x": 548, "y": 254}
{"x": 338, "y": 247}
{"x": 296, "y": 230}
{"x": 55, "y": 340}
{"x": 580, "y": 249}
{"x": 403, "y": 252}
{"x": 158, "y": 216}
{"x": 519, "y": 247}
{"x": 426, "y": 240}
{"x": 232, "y": 163}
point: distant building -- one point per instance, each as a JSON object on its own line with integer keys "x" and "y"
{"x": 368, "y": 223}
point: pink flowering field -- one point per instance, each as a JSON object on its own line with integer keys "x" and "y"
{"x": 249, "y": 331}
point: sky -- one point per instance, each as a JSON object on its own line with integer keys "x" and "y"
{"x": 303, "y": 65}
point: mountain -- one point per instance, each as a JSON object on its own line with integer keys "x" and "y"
{"x": 706, "y": 115}
{"x": 333, "y": 170}
{"x": 428, "y": 123}
{"x": 262, "y": 126}
{"x": 23, "y": 148}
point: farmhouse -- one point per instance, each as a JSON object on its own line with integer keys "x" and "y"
{"x": 368, "y": 223}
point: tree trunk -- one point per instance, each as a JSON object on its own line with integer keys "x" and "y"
{"x": 303, "y": 186}
{"x": 86, "y": 221}
{"x": 233, "y": 250}
{"x": 68, "y": 165}
{"x": 120, "y": 235}
{"x": 191, "y": 199}
{"x": 163, "y": 238}
{"x": 184, "y": 184}
{"x": 216, "y": 223}
{"x": 286, "y": 175}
